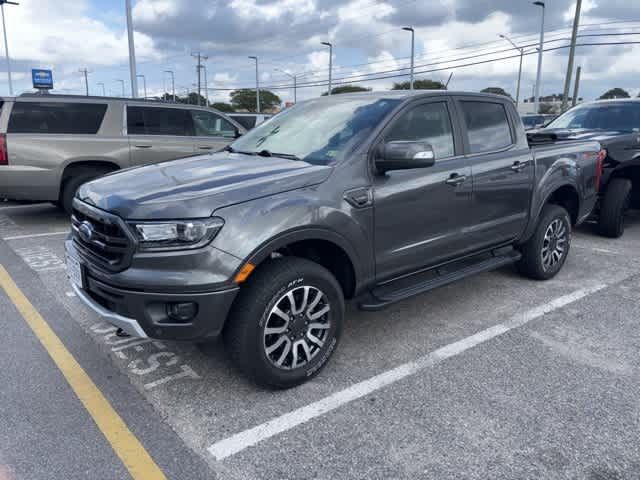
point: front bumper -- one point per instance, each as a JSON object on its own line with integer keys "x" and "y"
{"x": 142, "y": 311}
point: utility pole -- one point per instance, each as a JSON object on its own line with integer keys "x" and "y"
{"x": 257, "y": 85}
{"x": 539, "y": 74}
{"x": 173, "y": 84}
{"x": 572, "y": 51}
{"x": 144, "y": 85}
{"x": 206, "y": 85}
{"x": 200, "y": 58}
{"x": 104, "y": 91}
{"x": 295, "y": 83}
{"x": 132, "y": 52}
{"x": 330, "y": 45}
{"x": 413, "y": 52}
{"x": 576, "y": 88}
{"x": 521, "y": 50}
{"x": 85, "y": 72}
{"x": 6, "y": 44}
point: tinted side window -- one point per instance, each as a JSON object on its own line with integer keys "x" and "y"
{"x": 246, "y": 122}
{"x": 209, "y": 124}
{"x": 158, "y": 121}
{"x": 428, "y": 123}
{"x": 41, "y": 117}
{"x": 487, "y": 126}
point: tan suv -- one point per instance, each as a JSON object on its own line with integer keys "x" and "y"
{"x": 50, "y": 145}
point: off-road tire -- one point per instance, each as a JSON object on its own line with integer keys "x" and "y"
{"x": 244, "y": 331}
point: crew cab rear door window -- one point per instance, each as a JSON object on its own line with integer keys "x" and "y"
{"x": 487, "y": 125}
{"x": 56, "y": 117}
{"x": 207, "y": 124}
{"x": 159, "y": 121}
{"x": 429, "y": 123}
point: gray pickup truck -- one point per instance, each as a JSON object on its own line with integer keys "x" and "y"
{"x": 52, "y": 144}
{"x": 373, "y": 197}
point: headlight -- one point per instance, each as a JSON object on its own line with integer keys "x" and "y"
{"x": 176, "y": 235}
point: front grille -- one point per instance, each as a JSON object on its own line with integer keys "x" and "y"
{"x": 101, "y": 238}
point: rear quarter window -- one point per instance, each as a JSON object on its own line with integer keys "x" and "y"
{"x": 246, "y": 122}
{"x": 56, "y": 118}
{"x": 487, "y": 126}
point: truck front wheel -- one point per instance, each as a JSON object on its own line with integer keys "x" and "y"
{"x": 285, "y": 323}
{"x": 544, "y": 254}
{"x": 614, "y": 205}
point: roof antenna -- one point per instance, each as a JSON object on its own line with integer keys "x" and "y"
{"x": 446, "y": 86}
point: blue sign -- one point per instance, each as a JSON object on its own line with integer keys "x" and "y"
{"x": 42, "y": 79}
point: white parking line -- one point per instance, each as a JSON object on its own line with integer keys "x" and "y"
{"x": 26, "y": 205}
{"x": 240, "y": 441}
{"x": 35, "y": 235}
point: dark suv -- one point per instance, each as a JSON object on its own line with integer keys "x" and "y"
{"x": 376, "y": 197}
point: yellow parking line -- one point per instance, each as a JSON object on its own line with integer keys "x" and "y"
{"x": 124, "y": 443}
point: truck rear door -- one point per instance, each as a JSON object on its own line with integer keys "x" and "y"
{"x": 502, "y": 168}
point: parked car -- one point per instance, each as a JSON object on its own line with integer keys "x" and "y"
{"x": 532, "y": 121}
{"x": 616, "y": 125}
{"x": 375, "y": 196}
{"x": 50, "y": 145}
{"x": 250, "y": 120}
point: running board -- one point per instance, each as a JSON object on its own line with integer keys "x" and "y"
{"x": 387, "y": 294}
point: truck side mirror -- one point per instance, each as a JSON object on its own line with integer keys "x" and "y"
{"x": 404, "y": 155}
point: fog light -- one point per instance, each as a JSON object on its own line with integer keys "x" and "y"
{"x": 182, "y": 312}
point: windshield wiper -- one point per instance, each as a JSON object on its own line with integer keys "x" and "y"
{"x": 268, "y": 153}
{"x": 230, "y": 149}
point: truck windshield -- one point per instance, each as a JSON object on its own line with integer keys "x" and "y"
{"x": 318, "y": 131}
{"x": 623, "y": 117}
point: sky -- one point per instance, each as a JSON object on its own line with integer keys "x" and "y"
{"x": 286, "y": 36}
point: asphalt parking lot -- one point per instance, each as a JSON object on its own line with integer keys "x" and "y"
{"x": 495, "y": 376}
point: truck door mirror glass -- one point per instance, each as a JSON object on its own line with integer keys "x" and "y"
{"x": 404, "y": 155}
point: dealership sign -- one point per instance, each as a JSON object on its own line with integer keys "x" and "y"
{"x": 42, "y": 79}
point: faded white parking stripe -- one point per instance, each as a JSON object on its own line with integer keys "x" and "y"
{"x": 36, "y": 235}
{"x": 26, "y": 205}
{"x": 240, "y": 441}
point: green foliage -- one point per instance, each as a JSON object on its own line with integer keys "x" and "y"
{"x": 421, "y": 84}
{"x": 546, "y": 109}
{"x": 496, "y": 91}
{"x": 223, "y": 107}
{"x": 615, "y": 93}
{"x": 347, "y": 89}
{"x": 245, "y": 99}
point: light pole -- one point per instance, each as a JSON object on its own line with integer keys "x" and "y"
{"x": 295, "y": 83}
{"x": 6, "y": 44}
{"x": 104, "y": 91}
{"x": 121, "y": 83}
{"x": 173, "y": 84}
{"x": 144, "y": 84}
{"x": 413, "y": 38}
{"x": 257, "y": 85}
{"x": 85, "y": 72}
{"x": 521, "y": 50}
{"x": 330, "y": 45}
{"x": 206, "y": 85}
{"x": 132, "y": 52}
{"x": 539, "y": 74}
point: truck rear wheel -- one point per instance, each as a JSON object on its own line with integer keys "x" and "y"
{"x": 285, "y": 323}
{"x": 546, "y": 251}
{"x": 615, "y": 203}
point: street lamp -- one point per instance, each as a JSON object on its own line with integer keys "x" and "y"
{"x": 144, "y": 84}
{"x": 121, "y": 83}
{"x": 413, "y": 37}
{"x": 295, "y": 83}
{"x": 521, "y": 50}
{"x": 6, "y": 44}
{"x": 206, "y": 85}
{"x": 173, "y": 84}
{"x": 132, "y": 51}
{"x": 257, "y": 85}
{"x": 328, "y": 44}
{"x": 104, "y": 92}
{"x": 539, "y": 74}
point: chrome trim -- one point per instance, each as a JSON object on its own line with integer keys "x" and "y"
{"x": 129, "y": 325}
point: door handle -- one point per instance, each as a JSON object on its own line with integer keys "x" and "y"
{"x": 205, "y": 147}
{"x": 455, "y": 179}
{"x": 519, "y": 166}
{"x": 142, "y": 146}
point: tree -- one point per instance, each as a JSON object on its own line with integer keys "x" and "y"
{"x": 547, "y": 108}
{"x": 347, "y": 89}
{"x": 422, "y": 84}
{"x": 615, "y": 93}
{"x": 496, "y": 91}
{"x": 223, "y": 107}
{"x": 245, "y": 99}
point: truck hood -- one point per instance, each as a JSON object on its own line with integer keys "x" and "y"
{"x": 195, "y": 187}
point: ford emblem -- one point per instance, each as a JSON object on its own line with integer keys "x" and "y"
{"x": 86, "y": 231}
